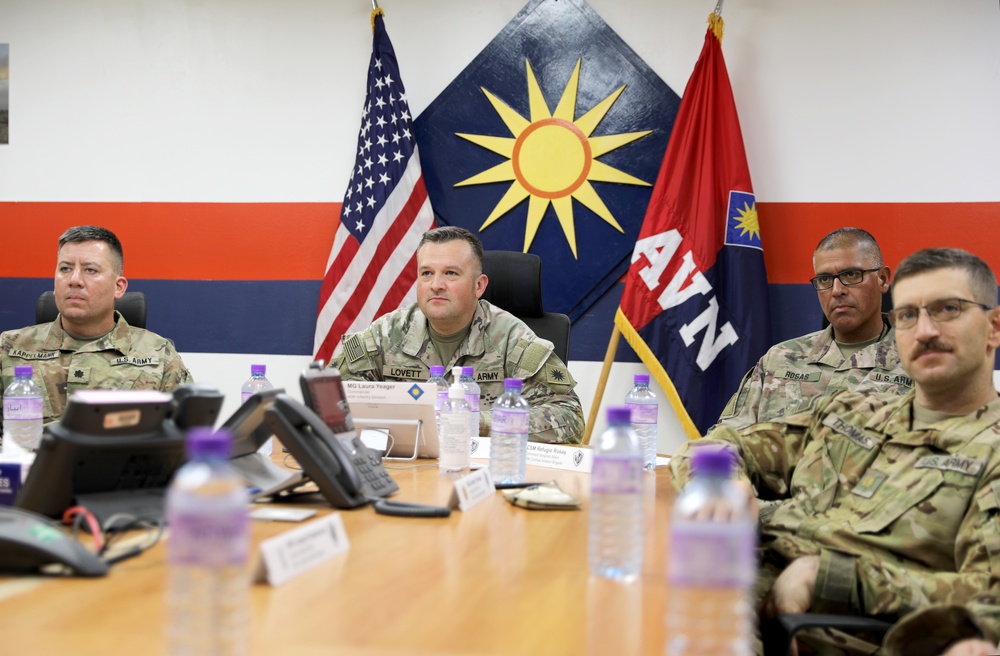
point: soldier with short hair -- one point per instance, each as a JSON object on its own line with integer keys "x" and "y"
{"x": 856, "y": 351}
{"x": 891, "y": 503}
{"x": 450, "y": 326}
{"x": 89, "y": 345}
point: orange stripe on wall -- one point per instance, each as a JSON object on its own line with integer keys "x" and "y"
{"x": 181, "y": 241}
{"x": 291, "y": 241}
{"x": 790, "y": 231}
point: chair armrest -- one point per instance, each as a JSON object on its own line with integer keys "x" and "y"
{"x": 777, "y": 633}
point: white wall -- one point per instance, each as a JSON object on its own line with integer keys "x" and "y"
{"x": 258, "y": 100}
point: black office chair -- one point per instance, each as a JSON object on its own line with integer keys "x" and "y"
{"x": 132, "y": 305}
{"x": 777, "y": 633}
{"x": 516, "y": 286}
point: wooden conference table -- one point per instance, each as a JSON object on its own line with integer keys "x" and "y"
{"x": 496, "y": 579}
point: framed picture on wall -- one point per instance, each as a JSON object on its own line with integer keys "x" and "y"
{"x": 4, "y": 93}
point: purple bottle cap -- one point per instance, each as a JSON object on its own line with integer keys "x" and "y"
{"x": 619, "y": 415}
{"x": 437, "y": 370}
{"x": 468, "y": 371}
{"x": 204, "y": 443}
{"x": 258, "y": 369}
{"x": 713, "y": 461}
{"x": 641, "y": 379}
{"x": 22, "y": 370}
{"x": 512, "y": 383}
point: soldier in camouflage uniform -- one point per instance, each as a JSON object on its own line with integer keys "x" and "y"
{"x": 449, "y": 326}
{"x": 892, "y": 502}
{"x": 89, "y": 345}
{"x": 856, "y": 351}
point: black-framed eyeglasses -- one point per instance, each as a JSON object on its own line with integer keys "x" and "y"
{"x": 945, "y": 309}
{"x": 850, "y": 277}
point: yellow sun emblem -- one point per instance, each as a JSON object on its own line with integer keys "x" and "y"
{"x": 748, "y": 221}
{"x": 552, "y": 159}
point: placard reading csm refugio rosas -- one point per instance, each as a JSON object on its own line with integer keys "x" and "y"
{"x": 556, "y": 456}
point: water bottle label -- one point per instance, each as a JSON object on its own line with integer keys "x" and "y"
{"x": 454, "y": 440}
{"x": 209, "y": 539}
{"x": 616, "y": 475}
{"x": 244, "y": 396}
{"x": 644, "y": 413}
{"x": 510, "y": 421}
{"x": 713, "y": 554}
{"x": 22, "y": 407}
{"x": 473, "y": 400}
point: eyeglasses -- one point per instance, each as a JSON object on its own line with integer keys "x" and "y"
{"x": 945, "y": 309}
{"x": 850, "y": 277}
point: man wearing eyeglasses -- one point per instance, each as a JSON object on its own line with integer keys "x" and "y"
{"x": 856, "y": 351}
{"x": 892, "y": 503}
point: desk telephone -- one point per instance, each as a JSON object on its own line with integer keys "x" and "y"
{"x": 347, "y": 476}
{"x": 323, "y": 441}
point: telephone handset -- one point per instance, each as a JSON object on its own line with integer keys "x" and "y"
{"x": 347, "y": 478}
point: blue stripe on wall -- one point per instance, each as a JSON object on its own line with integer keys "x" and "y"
{"x": 279, "y": 316}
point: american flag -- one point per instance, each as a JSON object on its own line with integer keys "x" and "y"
{"x": 372, "y": 267}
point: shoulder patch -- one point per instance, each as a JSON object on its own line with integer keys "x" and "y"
{"x": 739, "y": 397}
{"x": 354, "y": 348}
{"x": 533, "y": 357}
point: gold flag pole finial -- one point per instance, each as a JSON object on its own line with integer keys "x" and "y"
{"x": 714, "y": 21}
{"x": 375, "y": 12}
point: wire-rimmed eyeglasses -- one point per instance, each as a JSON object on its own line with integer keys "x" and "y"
{"x": 941, "y": 310}
{"x": 849, "y": 278}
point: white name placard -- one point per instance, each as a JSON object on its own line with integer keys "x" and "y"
{"x": 285, "y": 556}
{"x": 479, "y": 447}
{"x": 472, "y": 489}
{"x": 560, "y": 456}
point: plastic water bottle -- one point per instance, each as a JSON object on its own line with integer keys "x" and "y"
{"x": 712, "y": 564}
{"x": 509, "y": 434}
{"x": 208, "y": 588}
{"x": 472, "y": 394}
{"x": 22, "y": 412}
{"x": 454, "y": 439}
{"x": 642, "y": 402}
{"x": 257, "y": 383}
{"x": 437, "y": 377}
{"x": 615, "y": 541}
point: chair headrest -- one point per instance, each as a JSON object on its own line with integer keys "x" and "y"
{"x": 132, "y": 305}
{"x": 515, "y": 282}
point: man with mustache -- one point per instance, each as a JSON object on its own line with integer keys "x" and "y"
{"x": 891, "y": 503}
{"x": 89, "y": 345}
{"x": 449, "y": 325}
{"x": 856, "y": 351}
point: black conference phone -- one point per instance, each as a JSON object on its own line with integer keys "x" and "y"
{"x": 347, "y": 476}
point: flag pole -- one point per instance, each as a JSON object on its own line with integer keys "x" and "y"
{"x": 609, "y": 359}
{"x": 375, "y": 5}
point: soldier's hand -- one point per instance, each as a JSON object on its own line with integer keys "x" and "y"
{"x": 792, "y": 590}
{"x": 972, "y": 647}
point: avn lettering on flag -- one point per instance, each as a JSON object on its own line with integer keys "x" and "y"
{"x": 695, "y": 304}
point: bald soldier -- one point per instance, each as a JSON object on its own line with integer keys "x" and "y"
{"x": 89, "y": 345}
{"x": 856, "y": 351}
{"x": 450, "y": 326}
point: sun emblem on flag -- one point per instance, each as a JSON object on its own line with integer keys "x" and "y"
{"x": 742, "y": 223}
{"x": 747, "y": 221}
{"x": 552, "y": 158}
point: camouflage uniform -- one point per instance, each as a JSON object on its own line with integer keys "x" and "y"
{"x": 901, "y": 519}
{"x": 793, "y": 373}
{"x": 398, "y": 347}
{"x": 125, "y": 358}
